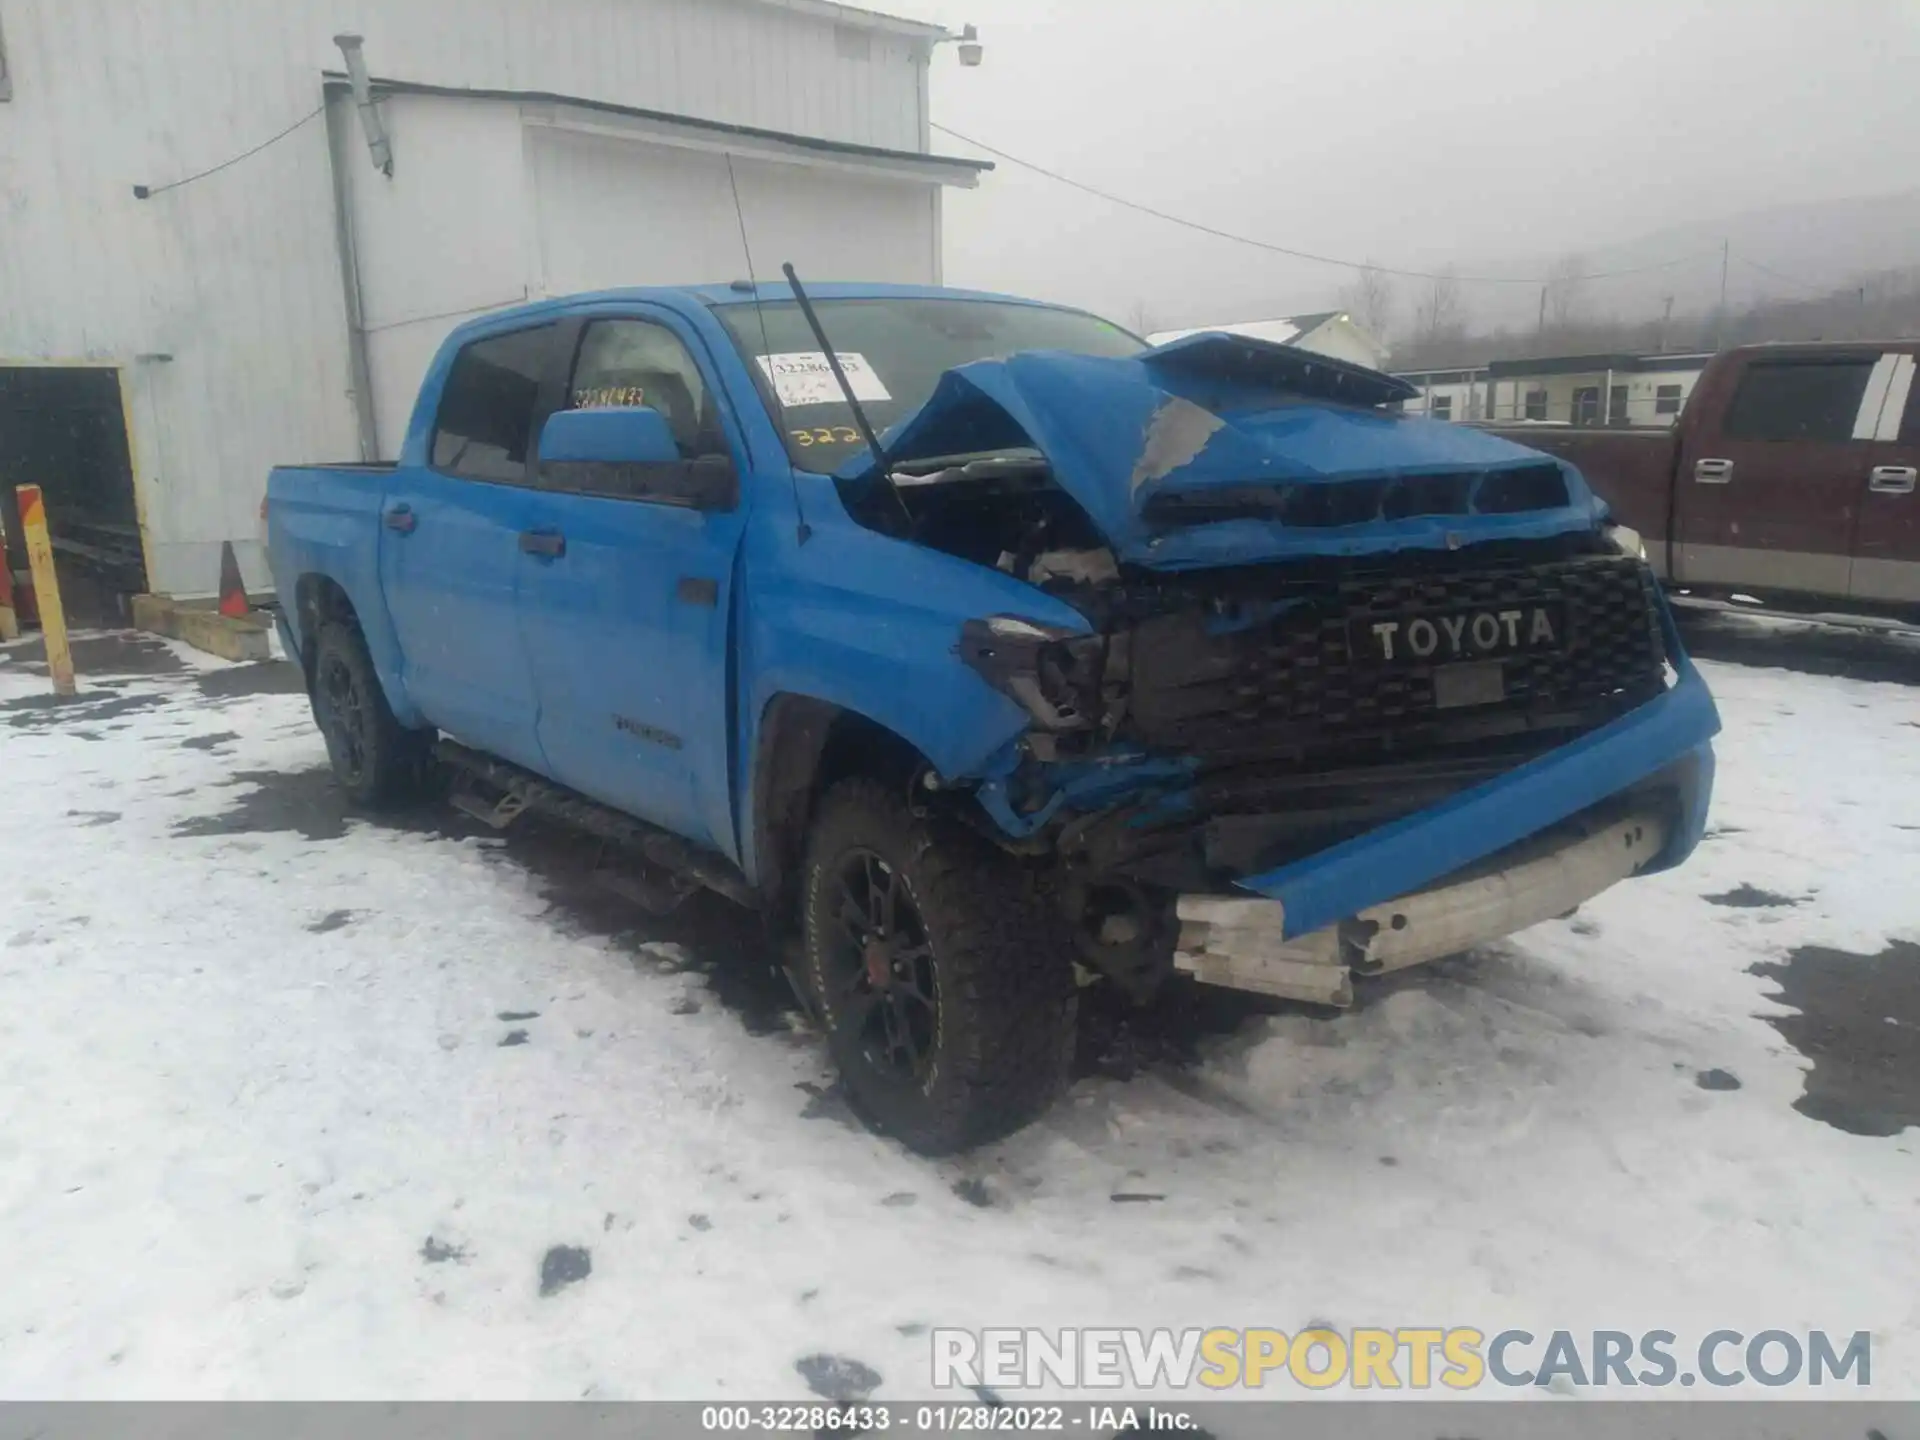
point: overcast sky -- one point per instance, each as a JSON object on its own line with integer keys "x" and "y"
{"x": 1417, "y": 132}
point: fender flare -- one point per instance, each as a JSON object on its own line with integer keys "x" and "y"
{"x": 312, "y": 606}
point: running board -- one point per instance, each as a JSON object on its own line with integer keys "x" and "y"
{"x": 498, "y": 813}
{"x": 657, "y": 893}
{"x": 1871, "y": 624}
{"x": 522, "y": 790}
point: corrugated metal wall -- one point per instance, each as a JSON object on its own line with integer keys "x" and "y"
{"x": 441, "y": 241}
{"x": 487, "y": 208}
{"x": 601, "y": 199}
{"x": 236, "y": 276}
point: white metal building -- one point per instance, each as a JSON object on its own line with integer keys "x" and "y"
{"x": 1634, "y": 391}
{"x": 1332, "y": 333}
{"x": 1630, "y": 391}
{"x": 283, "y": 307}
{"x": 1457, "y": 394}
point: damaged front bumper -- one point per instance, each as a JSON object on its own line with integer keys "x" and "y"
{"x": 1668, "y": 737}
{"x": 1439, "y": 853}
{"x": 1628, "y": 799}
{"x": 1244, "y": 945}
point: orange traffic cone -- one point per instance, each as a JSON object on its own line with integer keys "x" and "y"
{"x": 233, "y": 594}
{"x": 9, "y": 621}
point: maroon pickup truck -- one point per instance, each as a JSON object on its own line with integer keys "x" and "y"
{"x": 1790, "y": 478}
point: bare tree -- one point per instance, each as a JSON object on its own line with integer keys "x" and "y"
{"x": 1566, "y": 289}
{"x": 1866, "y": 306}
{"x": 1369, "y": 299}
{"x": 1441, "y": 315}
{"x": 1140, "y": 319}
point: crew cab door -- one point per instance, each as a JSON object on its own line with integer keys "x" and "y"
{"x": 1770, "y": 498}
{"x": 626, "y": 587}
{"x": 449, "y": 554}
{"x": 1886, "y": 555}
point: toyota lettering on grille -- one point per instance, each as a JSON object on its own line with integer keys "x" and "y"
{"x": 1441, "y": 637}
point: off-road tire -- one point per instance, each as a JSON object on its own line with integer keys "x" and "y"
{"x": 1001, "y": 964}
{"x": 390, "y": 764}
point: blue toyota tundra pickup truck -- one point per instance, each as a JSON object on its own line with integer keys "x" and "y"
{"x": 1101, "y": 663}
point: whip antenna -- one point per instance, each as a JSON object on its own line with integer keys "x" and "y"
{"x": 804, "y": 531}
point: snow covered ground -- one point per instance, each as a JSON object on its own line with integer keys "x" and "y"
{"x": 293, "y": 1105}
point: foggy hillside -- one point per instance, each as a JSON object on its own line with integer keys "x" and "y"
{"x": 1778, "y": 253}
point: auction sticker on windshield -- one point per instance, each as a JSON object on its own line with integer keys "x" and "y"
{"x": 803, "y": 377}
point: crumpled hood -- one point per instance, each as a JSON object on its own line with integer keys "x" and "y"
{"x": 1211, "y": 412}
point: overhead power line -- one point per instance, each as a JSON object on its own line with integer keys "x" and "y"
{"x": 1309, "y": 255}
{"x": 447, "y": 314}
{"x": 146, "y": 192}
{"x": 1787, "y": 279}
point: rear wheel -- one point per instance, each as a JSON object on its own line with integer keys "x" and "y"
{"x": 943, "y": 979}
{"x": 375, "y": 759}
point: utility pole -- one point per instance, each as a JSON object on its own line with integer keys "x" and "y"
{"x": 1720, "y": 317}
{"x": 1666, "y": 318}
{"x": 1541, "y": 331}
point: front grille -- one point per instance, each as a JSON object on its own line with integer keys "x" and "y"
{"x": 1209, "y": 681}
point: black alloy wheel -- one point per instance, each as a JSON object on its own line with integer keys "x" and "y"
{"x": 375, "y": 759}
{"x": 939, "y": 968}
{"x": 343, "y": 718}
{"x": 879, "y": 960}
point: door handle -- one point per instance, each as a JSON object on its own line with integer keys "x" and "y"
{"x": 1713, "y": 472}
{"x": 401, "y": 518}
{"x": 550, "y": 543}
{"x": 1892, "y": 479}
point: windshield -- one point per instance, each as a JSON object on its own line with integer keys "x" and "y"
{"x": 893, "y": 351}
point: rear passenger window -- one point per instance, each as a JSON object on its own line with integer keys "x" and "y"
{"x": 1787, "y": 400}
{"x": 485, "y": 425}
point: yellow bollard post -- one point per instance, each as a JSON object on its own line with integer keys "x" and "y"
{"x": 46, "y": 587}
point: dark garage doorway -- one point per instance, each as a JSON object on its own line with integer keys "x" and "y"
{"x": 64, "y": 429}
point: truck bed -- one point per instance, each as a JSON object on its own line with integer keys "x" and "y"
{"x": 324, "y": 520}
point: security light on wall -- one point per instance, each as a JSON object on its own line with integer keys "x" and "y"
{"x": 967, "y": 40}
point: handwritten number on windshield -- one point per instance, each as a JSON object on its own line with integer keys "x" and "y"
{"x": 826, "y": 435}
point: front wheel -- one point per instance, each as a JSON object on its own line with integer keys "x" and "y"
{"x": 942, "y": 976}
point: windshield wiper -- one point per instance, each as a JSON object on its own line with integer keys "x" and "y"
{"x": 853, "y": 401}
